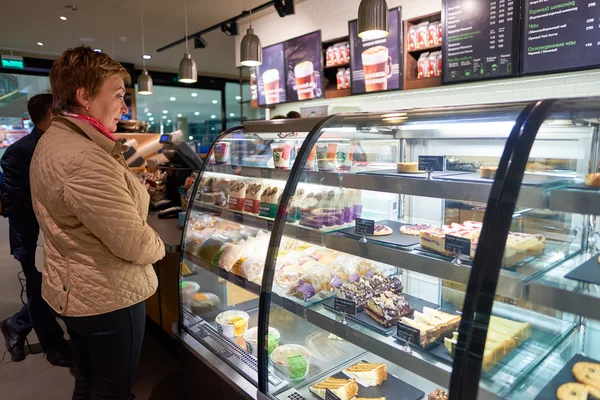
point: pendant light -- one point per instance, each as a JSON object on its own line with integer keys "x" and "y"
{"x": 144, "y": 80}
{"x": 373, "y": 19}
{"x": 251, "y": 49}
{"x": 188, "y": 73}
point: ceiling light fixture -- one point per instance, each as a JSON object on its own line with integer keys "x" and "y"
{"x": 172, "y": 98}
{"x": 188, "y": 72}
{"x": 179, "y": 115}
{"x": 146, "y": 56}
{"x": 251, "y": 49}
{"x": 191, "y": 137}
{"x": 98, "y": 50}
{"x": 149, "y": 114}
{"x": 165, "y": 111}
{"x": 215, "y": 101}
{"x": 151, "y": 118}
{"x": 164, "y": 117}
{"x": 169, "y": 121}
{"x": 238, "y": 98}
{"x": 373, "y": 19}
{"x": 284, "y": 8}
{"x": 213, "y": 116}
{"x": 197, "y": 113}
{"x": 194, "y": 94}
{"x": 40, "y": 43}
{"x": 230, "y": 29}
{"x": 63, "y": 18}
{"x": 199, "y": 42}
{"x": 232, "y": 114}
{"x": 144, "y": 80}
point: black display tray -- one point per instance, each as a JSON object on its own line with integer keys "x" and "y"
{"x": 528, "y": 179}
{"x": 396, "y": 238}
{"x": 423, "y": 175}
{"x": 464, "y": 257}
{"x": 391, "y": 388}
{"x": 582, "y": 186}
{"x": 564, "y": 376}
{"x": 588, "y": 272}
{"x": 364, "y": 319}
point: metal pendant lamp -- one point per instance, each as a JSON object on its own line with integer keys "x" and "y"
{"x": 251, "y": 49}
{"x": 373, "y": 19}
{"x": 144, "y": 80}
{"x": 188, "y": 72}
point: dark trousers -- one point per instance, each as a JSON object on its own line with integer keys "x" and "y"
{"x": 37, "y": 314}
{"x": 106, "y": 351}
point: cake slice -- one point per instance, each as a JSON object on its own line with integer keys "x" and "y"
{"x": 345, "y": 389}
{"x": 388, "y": 308}
{"x": 427, "y": 334}
{"x": 368, "y": 374}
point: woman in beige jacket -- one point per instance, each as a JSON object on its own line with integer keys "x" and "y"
{"x": 92, "y": 209}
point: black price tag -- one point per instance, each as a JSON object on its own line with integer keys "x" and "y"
{"x": 432, "y": 163}
{"x": 241, "y": 282}
{"x": 265, "y": 173}
{"x": 457, "y": 244}
{"x": 270, "y": 225}
{"x": 344, "y": 306}
{"x": 329, "y": 395}
{"x": 223, "y": 274}
{"x": 239, "y": 218}
{"x": 408, "y": 333}
{"x": 366, "y": 226}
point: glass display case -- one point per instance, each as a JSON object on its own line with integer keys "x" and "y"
{"x": 401, "y": 254}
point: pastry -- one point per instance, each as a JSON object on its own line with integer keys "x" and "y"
{"x": 577, "y": 391}
{"x": 407, "y": 167}
{"x": 382, "y": 230}
{"x": 345, "y": 389}
{"x": 592, "y": 180}
{"x": 488, "y": 172}
{"x": 587, "y": 373}
{"x": 367, "y": 374}
{"x": 415, "y": 229}
{"x": 388, "y": 308}
{"x": 438, "y": 394}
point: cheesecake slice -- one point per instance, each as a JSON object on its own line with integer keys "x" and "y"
{"x": 367, "y": 374}
{"x": 345, "y": 389}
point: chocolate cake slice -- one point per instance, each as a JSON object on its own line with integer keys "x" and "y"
{"x": 388, "y": 308}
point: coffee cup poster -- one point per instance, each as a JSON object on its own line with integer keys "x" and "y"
{"x": 376, "y": 65}
{"x": 304, "y": 67}
{"x": 271, "y": 76}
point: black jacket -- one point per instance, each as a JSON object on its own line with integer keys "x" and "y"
{"x": 16, "y": 195}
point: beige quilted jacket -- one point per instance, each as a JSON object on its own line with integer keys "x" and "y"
{"x": 92, "y": 209}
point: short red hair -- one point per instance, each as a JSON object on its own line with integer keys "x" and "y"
{"x": 81, "y": 67}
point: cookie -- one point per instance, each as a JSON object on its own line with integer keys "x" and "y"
{"x": 577, "y": 391}
{"x": 587, "y": 373}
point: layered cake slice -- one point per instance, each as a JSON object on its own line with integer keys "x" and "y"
{"x": 427, "y": 333}
{"x": 388, "y": 308}
{"x": 368, "y": 374}
{"x": 345, "y": 389}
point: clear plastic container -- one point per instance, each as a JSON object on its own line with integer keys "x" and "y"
{"x": 188, "y": 288}
{"x": 280, "y": 355}
{"x": 226, "y": 328}
{"x": 201, "y": 303}
{"x": 251, "y": 338}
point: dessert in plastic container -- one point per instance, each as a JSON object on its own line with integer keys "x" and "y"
{"x": 292, "y": 361}
{"x": 251, "y": 338}
{"x": 202, "y": 303}
{"x": 232, "y": 323}
{"x": 188, "y": 288}
{"x": 281, "y": 155}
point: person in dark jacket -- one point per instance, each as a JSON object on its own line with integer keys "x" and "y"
{"x": 24, "y": 231}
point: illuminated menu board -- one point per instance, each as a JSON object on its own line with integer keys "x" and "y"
{"x": 480, "y": 39}
{"x": 560, "y": 35}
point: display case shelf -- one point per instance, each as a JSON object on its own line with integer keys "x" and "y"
{"x": 575, "y": 201}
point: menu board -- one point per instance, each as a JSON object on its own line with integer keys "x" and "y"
{"x": 304, "y": 67}
{"x": 376, "y": 65}
{"x": 271, "y": 76}
{"x": 480, "y": 39}
{"x": 560, "y": 35}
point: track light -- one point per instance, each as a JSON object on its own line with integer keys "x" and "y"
{"x": 230, "y": 29}
{"x": 199, "y": 42}
{"x": 284, "y": 8}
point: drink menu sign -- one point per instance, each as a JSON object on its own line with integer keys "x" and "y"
{"x": 480, "y": 39}
{"x": 376, "y": 65}
{"x": 303, "y": 60}
{"x": 560, "y": 35}
{"x": 271, "y": 76}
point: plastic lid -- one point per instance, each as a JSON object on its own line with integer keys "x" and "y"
{"x": 281, "y": 354}
{"x": 204, "y": 300}
{"x": 188, "y": 287}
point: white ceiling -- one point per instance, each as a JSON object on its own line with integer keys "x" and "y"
{"x": 26, "y": 22}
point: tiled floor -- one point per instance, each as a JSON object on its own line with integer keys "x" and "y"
{"x": 158, "y": 374}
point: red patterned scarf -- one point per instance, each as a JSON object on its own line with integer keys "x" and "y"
{"x": 92, "y": 121}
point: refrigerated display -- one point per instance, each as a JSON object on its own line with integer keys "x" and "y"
{"x": 403, "y": 254}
